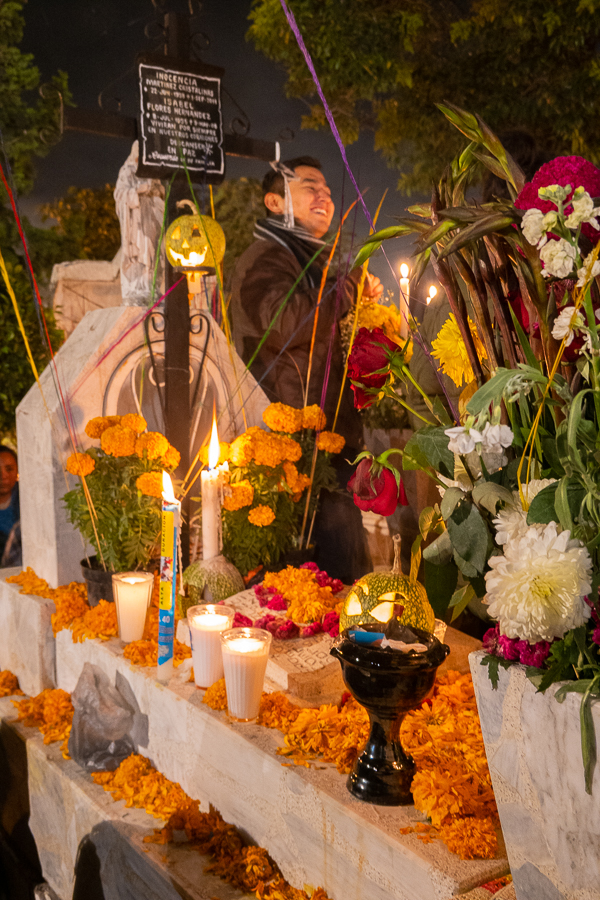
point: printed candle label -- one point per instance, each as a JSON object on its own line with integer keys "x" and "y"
{"x": 166, "y": 616}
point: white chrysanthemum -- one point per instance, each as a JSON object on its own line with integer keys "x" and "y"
{"x": 568, "y": 321}
{"x": 536, "y": 590}
{"x": 558, "y": 258}
{"x": 533, "y": 488}
{"x": 511, "y": 522}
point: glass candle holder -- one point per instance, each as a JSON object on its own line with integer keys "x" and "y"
{"x": 206, "y": 623}
{"x": 439, "y": 630}
{"x": 245, "y": 656}
{"x": 132, "y": 592}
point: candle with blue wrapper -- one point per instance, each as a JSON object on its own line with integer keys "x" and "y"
{"x": 171, "y": 514}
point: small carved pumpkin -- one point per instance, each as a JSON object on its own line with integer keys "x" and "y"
{"x": 194, "y": 241}
{"x": 373, "y": 597}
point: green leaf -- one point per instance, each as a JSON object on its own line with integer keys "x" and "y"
{"x": 469, "y": 534}
{"x": 493, "y": 664}
{"x": 391, "y": 232}
{"x": 440, "y": 583}
{"x": 452, "y": 497}
{"x": 489, "y": 495}
{"x": 460, "y": 600}
{"x": 524, "y": 342}
{"x": 439, "y": 552}
{"x": 367, "y": 250}
{"x": 544, "y": 507}
{"x": 492, "y": 223}
{"x": 428, "y": 448}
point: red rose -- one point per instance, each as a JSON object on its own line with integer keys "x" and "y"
{"x": 371, "y": 351}
{"x": 573, "y": 170}
{"x": 376, "y": 493}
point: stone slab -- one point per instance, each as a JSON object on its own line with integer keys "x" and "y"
{"x": 316, "y": 832}
{"x": 551, "y": 826}
{"x": 81, "y": 832}
{"x": 27, "y": 646}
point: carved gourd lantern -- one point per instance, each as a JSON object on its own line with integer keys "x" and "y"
{"x": 196, "y": 245}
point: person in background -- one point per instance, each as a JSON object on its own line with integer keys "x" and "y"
{"x": 10, "y": 534}
{"x": 299, "y": 213}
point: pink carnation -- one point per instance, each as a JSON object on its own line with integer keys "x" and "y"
{"x": 563, "y": 170}
{"x": 240, "y": 621}
{"x": 277, "y": 603}
{"x": 287, "y": 631}
{"x": 310, "y": 630}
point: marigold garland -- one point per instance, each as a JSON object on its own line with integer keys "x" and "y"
{"x": 9, "y": 684}
{"x": 70, "y": 600}
{"x": 98, "y": 622}
{"x": 51, "y": 712}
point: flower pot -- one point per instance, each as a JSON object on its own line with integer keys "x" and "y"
{"x": 98, "y": 582}
{"x": 388, "y": 684}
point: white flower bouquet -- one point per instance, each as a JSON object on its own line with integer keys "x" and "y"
{"x": 518, "y": 462}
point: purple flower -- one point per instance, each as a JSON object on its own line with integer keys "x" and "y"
{"x": 533, "y": 654}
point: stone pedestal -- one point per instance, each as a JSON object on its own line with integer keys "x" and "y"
{"x": 27, "y": 647}
{"x": 313, "y": 828}
{"x": 533, "y": 745}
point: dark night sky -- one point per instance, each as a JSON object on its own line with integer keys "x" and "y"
{"x": 96, "y": 41}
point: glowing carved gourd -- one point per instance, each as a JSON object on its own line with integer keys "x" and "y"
{"x": 194, "y": 241}
{"x": 372, "y": 599}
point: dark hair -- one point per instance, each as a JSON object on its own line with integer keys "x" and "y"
{"x": 5, "y": 449}
{"x": 273, "y": 181}
{"x": 523, "y": 148}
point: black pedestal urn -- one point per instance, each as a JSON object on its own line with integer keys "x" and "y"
{"x": 388, "y": 682}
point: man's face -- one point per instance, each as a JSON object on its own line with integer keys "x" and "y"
{"x": 8, "y": 473}
{"x": 311, "y": 200}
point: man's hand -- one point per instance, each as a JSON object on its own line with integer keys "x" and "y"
{"x": 373, "y": 288}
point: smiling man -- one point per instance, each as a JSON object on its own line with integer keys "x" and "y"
{"x": 299, "y": 214}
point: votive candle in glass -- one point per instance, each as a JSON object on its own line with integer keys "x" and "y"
{"x": 245, "y": 657}
{"x": 132, "y": 592}
{"x": 206, "y": 623}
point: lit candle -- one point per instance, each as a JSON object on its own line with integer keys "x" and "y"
{"x": 132, "y": 591}
{"x": 432, "y": 293}
{"x": 206, "y": 623}
{"x": 211, "y": 499}
{"x": 404, "y": 298}
{"x": 171, "y": 513}
{"x": 245, "y": 657}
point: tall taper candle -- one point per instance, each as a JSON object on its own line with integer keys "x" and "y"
{"x": 171, "y": 513}
{"x": 403, "y": 300}
{"x": 211, "y": 499}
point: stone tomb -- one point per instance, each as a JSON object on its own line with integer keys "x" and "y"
{"x": 313, "y": 828}
{"x": 97, "y": 372}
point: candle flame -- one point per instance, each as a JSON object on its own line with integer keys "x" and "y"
{"x": 432, "y": 293}
{"x": 213, "y": 447}
{"x": 404, "y": 270}
{"x": 167, "y": 491}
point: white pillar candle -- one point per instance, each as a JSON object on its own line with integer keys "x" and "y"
{"x": 211, "y": 499}
{"x": 245, "y": 657}
{"x": 404, "y": 298}
{"x": 132, "y": 591}
{"x": 206, "y": 623}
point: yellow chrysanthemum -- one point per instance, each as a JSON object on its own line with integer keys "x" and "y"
{"x": 449, "y": 348}
{"x": 313, "y": 417}
{"x": 154, "y": 443}
{"x": 171, "y": 458}
{"x": 279, "y": 417}
{"x": 261, "y": 515}
{"x": 95, "y": 427}
{"x": 238, "y": 495}
{"x": 134, "y": 421}
{"x": 331, "y": 442}
{"x": 150, "y": 484}
{"x": 224, "y": 449}
{"x": 117, "y": 441}
{"x": 80, "y": 464}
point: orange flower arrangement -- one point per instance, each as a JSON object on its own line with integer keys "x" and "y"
{"x": 70, "y": 600}
{"x": 134, "y": 421}
{"x": 216, "y": 696}
{"x": 171, "y": 459}
{"x": 95, "y": 427}
{"x": 9, "y": 684}
{"x": 308, "y": 602}
{"x": 98, "y": 622}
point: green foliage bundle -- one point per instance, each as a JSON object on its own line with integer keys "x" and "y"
{"x": 87, "y": 223}
{"x": 384, "y": 64}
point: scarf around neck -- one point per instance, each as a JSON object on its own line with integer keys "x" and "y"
{"x": 300, "y": 242}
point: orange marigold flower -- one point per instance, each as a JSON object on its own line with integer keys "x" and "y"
{"x": 296, "y": 480}
{"x": 330, "y": 442}
{"x": 313, "y": 417}
{"x": 261, "y": 515}
{"x": 289, "y": 449}
{"x": 117, "y": 441}
{"x": 97, "y": 426}
{"x": 154, "y": 443}
{"x": 98, "y": 622}
{"x": 171, "y": 459}
{"x": 470, "y": 838}
{"x": 280, "y": 417}
{"x": 9, "y": 684}
{"x": 216, "y": 696}
{"x": 238, "y": 495}
{"x": 134, "y": 421}
{"x": 150, "y": 484}
{"x": 80, "y": 464}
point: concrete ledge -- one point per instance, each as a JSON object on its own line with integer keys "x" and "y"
{"x": 316, "y": 832}
{"x": 27, "y": 646}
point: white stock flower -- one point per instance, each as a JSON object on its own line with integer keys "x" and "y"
{"x": 558, "y": 257}
{"x": 583, "y": 210}
{"x": 495, "y": 438}
{"x": 461, "y": 441}
{"x": 536, "y": 590}
{"x": 588, "y": 270}
{"x": 566, "y": 323}
{"x": 535, "y": 224}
